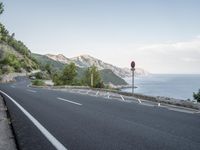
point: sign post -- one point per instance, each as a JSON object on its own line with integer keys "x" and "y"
{"x": 92, "y": 79}
{"x": 133, "y": 69}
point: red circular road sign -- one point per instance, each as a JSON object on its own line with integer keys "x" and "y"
{"x": 132, "y": 64}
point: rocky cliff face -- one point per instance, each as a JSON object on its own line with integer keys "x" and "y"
{"x": 84, "y": 61}
{"x": 61, "y": 58}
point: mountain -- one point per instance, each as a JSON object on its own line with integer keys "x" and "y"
{"x": 87, "y": 61}
{"x": 60, "y": 57}
{"x": 110, "y": 78}
{"x": 58, "y": 64}
{"x": 84, "y": 61}
{"x": 43, "y": 60}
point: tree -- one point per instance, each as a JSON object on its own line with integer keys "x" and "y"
{"x": 48, "y": 68}
{"x": 197, "y": 96}
{"x": 57, "y": 79}
{"x": 69, "y": 73}
{"x": 92, "y": 73}
{"x": 1, "y": 8}
{"x": 3, "y": 33}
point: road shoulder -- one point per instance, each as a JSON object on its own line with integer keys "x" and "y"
{"x": 7, "y": 141}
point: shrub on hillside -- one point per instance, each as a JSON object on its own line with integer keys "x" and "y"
{"x": 11, "y": 60}
{"x": 42, "y": 75}
{"x": 7, "y": 69}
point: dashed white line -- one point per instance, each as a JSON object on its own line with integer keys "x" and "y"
{"x": 62, "y": 99}
{"x": 108, "y": 95}
{"x": 44, "y": 131}
{"x": 97, "y": 93}
{"x": 122, "y": 97}
{"x": 88, "y": 91}
{"x": 29, "y": 85}
{"x": 139, "y": 100}
{"x": 31, "y": 91}
{"x": 12, "y": 86}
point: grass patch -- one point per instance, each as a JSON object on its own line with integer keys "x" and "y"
{"x": 38, "y": 82}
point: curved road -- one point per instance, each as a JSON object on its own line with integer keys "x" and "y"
{"x": 74, "y": 121}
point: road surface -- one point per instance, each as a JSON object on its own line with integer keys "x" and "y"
{"x": 51, "y": 119}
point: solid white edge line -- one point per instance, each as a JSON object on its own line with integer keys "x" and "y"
{"x": 69, "y": 101}
{"x": 44, "y": 131}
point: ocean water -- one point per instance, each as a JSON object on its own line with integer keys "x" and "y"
{"x": 173, "y": 86}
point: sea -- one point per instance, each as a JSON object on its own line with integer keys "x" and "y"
{"x": 178, "y": 86}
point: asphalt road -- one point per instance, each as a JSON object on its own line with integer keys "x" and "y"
{"x": 74, "y": 121}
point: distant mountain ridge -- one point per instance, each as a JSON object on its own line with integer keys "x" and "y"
{"x": 107, "y": 75}
{"x": 60, "y": 57}
{"x": 84, "y": 61}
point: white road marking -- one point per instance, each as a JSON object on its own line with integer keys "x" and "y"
{"x": 44, "y": 131}
{"x": 108, "y": 95}
{"x": 122, "y": 97}
{"x": 180, "y": 110}
{"x": 97, "y": 93}
{"x": 12, "y": 86}
{"x": 62, "y": 99}
{"x": 31, "y": 91}
{"x": 88, "y": 91}
{"x": 139, "y": 100}
{"x": 29, "y": 85}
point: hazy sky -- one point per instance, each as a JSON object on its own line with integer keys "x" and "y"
{"x": 162, "y": 36}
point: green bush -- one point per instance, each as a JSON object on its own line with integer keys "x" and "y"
{"x": 38, "y": 82}
{"x": 11, "y": 60}
{"x": 39, "y": 75}
{"x": 197, "y": 96}
{"x": 42, "y": 75}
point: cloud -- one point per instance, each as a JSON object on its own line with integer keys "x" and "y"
{"x": 191, "y": 45}
{"x": 173, "y": 57}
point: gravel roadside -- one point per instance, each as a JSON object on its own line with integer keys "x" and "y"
{"x": 7, "y": 141}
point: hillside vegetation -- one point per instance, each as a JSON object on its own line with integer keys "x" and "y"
{"x": 12, "y": 60}
{"x": 14, "y": 55}
{"x": 44, "y": 60}
{"x": 109, "y": 77}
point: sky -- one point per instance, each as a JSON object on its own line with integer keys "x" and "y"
{"x": 161, "y": 36}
